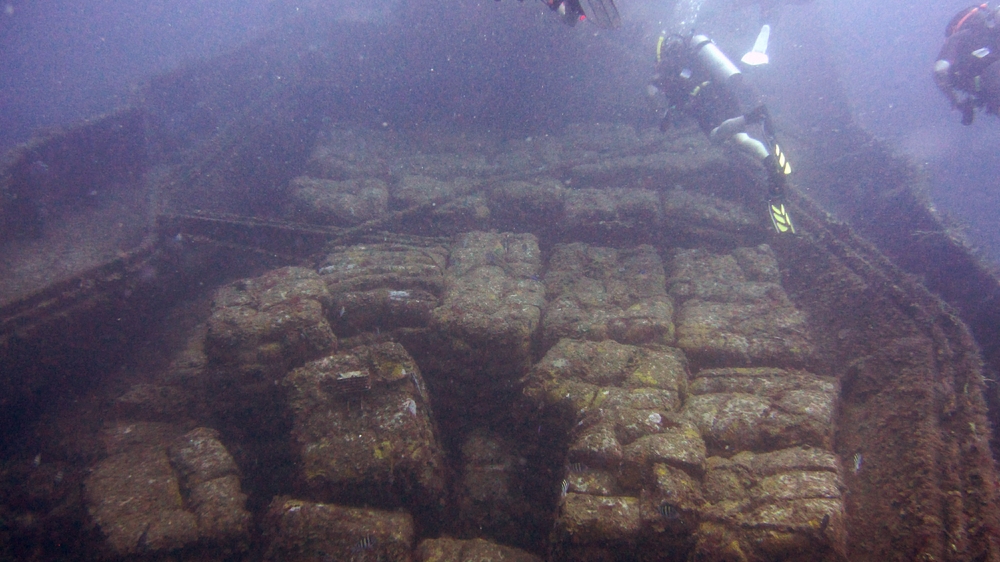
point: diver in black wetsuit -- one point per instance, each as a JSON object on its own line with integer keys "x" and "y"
{"x": 602, "y": 13}
{"x": 968, "y": 66}
{"x": 700, "y": 81}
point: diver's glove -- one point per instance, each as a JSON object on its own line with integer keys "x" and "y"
{"x": 669, "y": 119}
{"x": 757, "y": 115}
{"x": 968, "y": 107}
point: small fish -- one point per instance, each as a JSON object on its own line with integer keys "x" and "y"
{"x": 366, "y": 543}
{"x": 858, "y": 459}
{"x": 399, "y": 295}
{"x": 416, "y": 383}
{"x": 668, "y": 511}
{"x": 38, "y": 170}
{"x": 577, "y": 468}
{"x": 343, "y": 310}
{"x": 143, "y": 539}
{"x": 411, "y": 406}
{"x": 37, "y": 460}
{"x": 563, "y": 488}
{"x": 824, "y": 523}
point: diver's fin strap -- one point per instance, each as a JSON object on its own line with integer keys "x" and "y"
{"x": 780, "y": 219}
{"x": 768, "y": 127}
{"x": 778, "y": 168}
{"x": 782, "y": 167}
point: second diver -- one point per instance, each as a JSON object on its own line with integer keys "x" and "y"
{"x": 700, "y": 81}
{"x": 968, "y": 66}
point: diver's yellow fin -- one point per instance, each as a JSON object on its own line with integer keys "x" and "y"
{"x": 779, "y": 218}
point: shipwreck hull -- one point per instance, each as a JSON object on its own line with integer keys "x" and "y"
{"x": 879, "y": 320}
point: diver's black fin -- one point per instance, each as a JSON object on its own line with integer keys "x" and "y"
{"x": 779, "y": 218}
{"x": 602, "y": 13}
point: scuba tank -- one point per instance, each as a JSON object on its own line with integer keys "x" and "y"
{"x": 718, "y": 64}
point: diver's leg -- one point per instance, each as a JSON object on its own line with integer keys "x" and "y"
{"x": 751, "y": 145}
{"x": 777, "y": 211}
{"x": 728, "y": 129}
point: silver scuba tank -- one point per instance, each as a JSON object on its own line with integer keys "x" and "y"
{"x": 718, "y": 64}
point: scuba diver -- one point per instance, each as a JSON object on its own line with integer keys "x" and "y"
{"x": 603, "y": 13}
{"x": 968, "y": 66}
{"x": 700, "y": 81}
